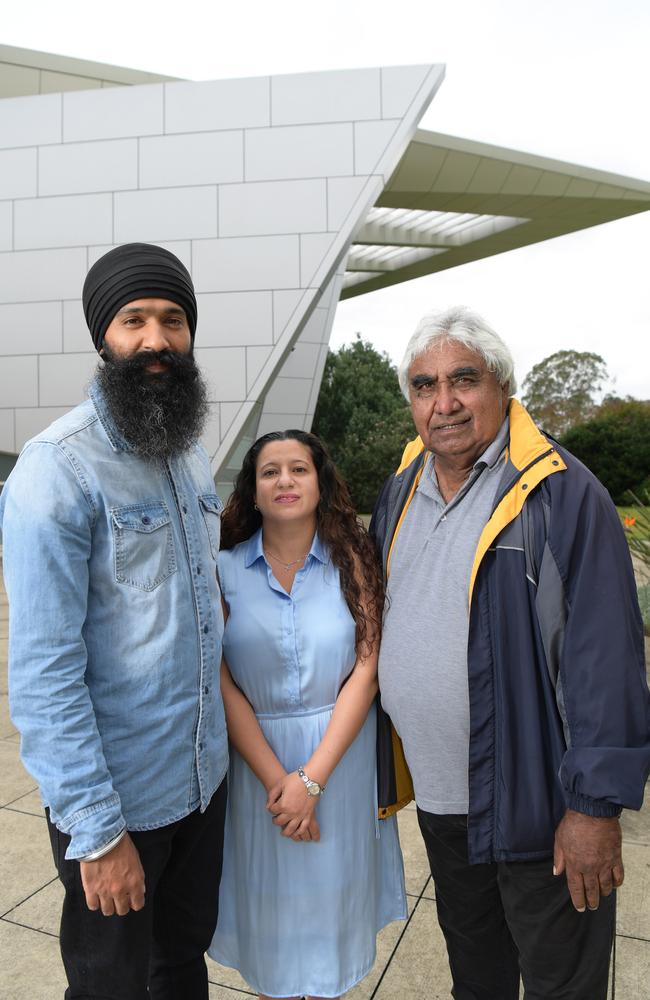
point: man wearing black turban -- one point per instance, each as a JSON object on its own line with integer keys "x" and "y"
{"x": 110, "y": 528}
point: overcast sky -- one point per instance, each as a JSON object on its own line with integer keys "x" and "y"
{"x": 568, "y": 79}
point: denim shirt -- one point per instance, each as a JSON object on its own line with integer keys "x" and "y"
{"x": 115, "y": 628}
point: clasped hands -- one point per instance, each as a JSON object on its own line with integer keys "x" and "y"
{"x": 293, "y": 810}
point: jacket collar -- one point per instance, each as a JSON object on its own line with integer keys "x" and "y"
{"x": 117, "y": 441}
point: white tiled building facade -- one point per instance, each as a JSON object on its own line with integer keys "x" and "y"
{"x": 257, "y": 185}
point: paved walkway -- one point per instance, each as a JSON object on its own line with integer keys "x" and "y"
{"x": 410, "y": 962}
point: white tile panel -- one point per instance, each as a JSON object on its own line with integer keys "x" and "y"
{"x": 302, "y": 151}
{"x": 270, "y": 422}
{"x": 165, "y": 214}
{"x": 256, "y": 358}
{"x": 325, "y": 97}
{"x": 182, "y": 249}
{"x": 31, "y": 421}
{"x": 259, "y": 209}
{"x": 7, "y": 439}
{"x": 76, "y": 168}
{"x": 18, "y": 173}
{"x": 63, "y": 378}
{"x": 6, "y": 225}
{"x": 113, "y": 113}
{"x": 30, "y": 121}
{"x": 61, "y": 275}
{"x": 19, "y": 381}
{"x": 234, "y": 318}
{"x": 371, "y": 140}
{"x": 76, "y": 336}
{"x": 203, "y": 158}
{"x": 301, "y": 361}
{"x": 342, "y": 196}
{"x": 315, "y": 328}
{"x": 228, "y": 412}
{"x": 217, "y": 104}
{"x": 239, "y": 264}
{"x": 288, "y": 395}
{"x": 289, "y": 304}
{"x": 224, "y": 369}
{"x": 315, "y": 258}
{"x": 211, "y": 436}
{"x": 30, "y": 328}
{"x": 399, "y": 85}
{"x": 71, "y": 220}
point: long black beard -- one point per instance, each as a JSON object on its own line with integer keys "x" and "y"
{"x": 158, "y": 414}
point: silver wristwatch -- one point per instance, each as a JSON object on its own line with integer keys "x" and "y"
{"x": 313, "y": 788}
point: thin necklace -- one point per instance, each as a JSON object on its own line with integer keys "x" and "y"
{"x": 285, "y": 565}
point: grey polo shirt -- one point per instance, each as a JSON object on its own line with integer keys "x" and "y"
{"x": 423, "y": 655}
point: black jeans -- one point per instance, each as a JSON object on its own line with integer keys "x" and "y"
{"x": 156, "y": 953}
{"x": 500, "y": 919}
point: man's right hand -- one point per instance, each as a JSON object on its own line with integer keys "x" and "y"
{"x": 114, "y": 883}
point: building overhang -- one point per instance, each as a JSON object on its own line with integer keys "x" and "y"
{"x": 451, "y": 201}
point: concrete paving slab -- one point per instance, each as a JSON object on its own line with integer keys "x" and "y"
{"x": 26, "y": 863}
{"x": 636, "y": 825}
{"x": 42, "y": 911}
{"x": 633, "y": 903}
{"x": 632, "y": 969}
{"x": 223, "y": 976}
{"x": 223, "y": 993}
{"x": 419, "y": 967}
{"x": 416, "y": 863}
{"x": 30, "y": 803}
{"x": 7, "y": 727}
{"x": 14, "y": 779}
{"x": 31, "y": 966}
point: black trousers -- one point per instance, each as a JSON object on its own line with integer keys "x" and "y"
{"x": 500, "y": 920}
{"x": 156, "y": 953}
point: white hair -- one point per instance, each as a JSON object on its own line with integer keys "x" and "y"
{"x": 460, "y": 323}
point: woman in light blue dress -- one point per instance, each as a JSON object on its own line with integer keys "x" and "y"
{"x": 309, "y": 875}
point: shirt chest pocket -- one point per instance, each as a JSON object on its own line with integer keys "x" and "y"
{"x": 143, "y": 545}
{"x": 211, "y": 508}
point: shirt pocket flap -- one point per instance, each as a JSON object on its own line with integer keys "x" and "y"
{"x": 141, "y": 517}
{"x": 211, "y": 503}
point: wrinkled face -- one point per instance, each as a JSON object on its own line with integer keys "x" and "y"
{"x": 149, "y": 325}
{"x": 286, "y": 482}
{"x": 457, "y": 404}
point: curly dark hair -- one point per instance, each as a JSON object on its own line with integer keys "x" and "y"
{"x": 349, "y": 544}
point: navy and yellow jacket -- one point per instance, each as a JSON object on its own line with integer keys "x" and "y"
{"x": 559, "y": 704}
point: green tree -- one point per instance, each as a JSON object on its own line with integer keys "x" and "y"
{"x": 559, "y": 391}
{"x": 363, "y": 418}
{"x": 615, "y": 445}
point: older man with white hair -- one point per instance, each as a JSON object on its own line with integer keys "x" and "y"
{"x": 512, "y": 670}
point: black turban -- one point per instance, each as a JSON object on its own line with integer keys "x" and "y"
{"x": 130, "y": 272}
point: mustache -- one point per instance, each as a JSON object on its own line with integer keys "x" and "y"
{"x": 139, "y": 362}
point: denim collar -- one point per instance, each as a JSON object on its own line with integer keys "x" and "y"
{"x": 255, "y": 549}
{"x": 117, "y": 441}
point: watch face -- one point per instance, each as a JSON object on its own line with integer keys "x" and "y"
{"x": 313, "y": 788}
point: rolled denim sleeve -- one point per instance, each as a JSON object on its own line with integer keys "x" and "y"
{"x": 47, "y": 514}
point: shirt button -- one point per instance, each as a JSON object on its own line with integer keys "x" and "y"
{"x": 200, "y": 746}
{"x": 206, "y": 690}
{"x": 198, "y": 571}
{"x": 206, "y": 629}
{"x": 145, "y": 519}
{"x": 184, "y": 509}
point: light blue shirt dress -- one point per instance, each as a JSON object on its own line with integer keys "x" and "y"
{"x": 300, "y": 918}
